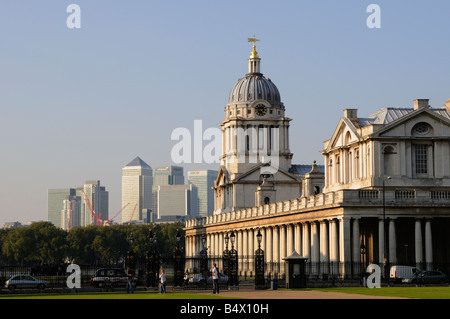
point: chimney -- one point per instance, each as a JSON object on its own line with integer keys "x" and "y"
{"x": 421, "y": 103}
{"x": 351, "y": 113}
{"x": 447, "y": 105}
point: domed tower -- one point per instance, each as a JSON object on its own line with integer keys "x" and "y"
{"x": 255, "y": 139}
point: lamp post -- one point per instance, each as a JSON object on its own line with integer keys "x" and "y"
{"x": 153, "y": 260}
{"x": 385, "y": 253}
{"x": 226, "y": 259}
{"x": 130, "y": 262}
{"x": 259, "y": 263}
{"x": 178, "y": 262}
{"x": 233, "y": 262}
{"x": 204, "y": 269}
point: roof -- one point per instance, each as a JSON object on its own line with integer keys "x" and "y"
{"x": 302, "y": 169}
{"x": 138, "y": 162}
{"x": 388, "y": 115}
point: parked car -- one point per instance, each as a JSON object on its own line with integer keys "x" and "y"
{"x": 428, "y": 277}
{"x": 403, "y": 273}
{"x": 201, "y": 281}
{"x": 25, "y": 281}
{"x": 112, "y": 277}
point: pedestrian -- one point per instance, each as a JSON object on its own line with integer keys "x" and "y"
{"x": 130, "y": 275}
{"x": 162, "y": 284}
{"x": 215, "y": 278}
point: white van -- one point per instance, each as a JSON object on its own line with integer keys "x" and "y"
{"x": 403, "y": 273}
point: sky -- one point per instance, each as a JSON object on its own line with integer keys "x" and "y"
{"x": 79, "y": 104}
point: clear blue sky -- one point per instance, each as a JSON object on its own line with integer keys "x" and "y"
{"x": 79, "y": 104}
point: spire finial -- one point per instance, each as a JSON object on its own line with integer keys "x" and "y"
{"x": 254, "y": 54}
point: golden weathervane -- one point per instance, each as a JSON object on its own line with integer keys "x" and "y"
{"x": 254, "y": 53}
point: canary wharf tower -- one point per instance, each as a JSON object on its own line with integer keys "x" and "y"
{"x": 256, "y": 159}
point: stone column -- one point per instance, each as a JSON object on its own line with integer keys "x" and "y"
{"x": 306, "y": 247}
{"x": 315, "y": 248}
{"x": 239, "y": 250}
{"x": 324, "y": 248}
{"x": 392, "y": 242}
{"x": 344, "y": 246}
{"x": 276, "y": 250}
{"x": 334, "y": 246}
{"x": 418, "y": 243}
{"x": 282, "y": 247}
{"x": 381, "y": 241}
{"x": 356, "y": 241}
{"x": 251, "y": 250}
{"x": 244, "y": 251}
{"x": 298, "y": 239}
{"x": 428, "y": 245}
{"x": 269, "y": 249}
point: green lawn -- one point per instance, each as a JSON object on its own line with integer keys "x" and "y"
{"x": 407, "y": 292}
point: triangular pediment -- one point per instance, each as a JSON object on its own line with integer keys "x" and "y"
{"x": 254, "y": 175}
{"x": 345, "y": 133}
{"x": 403, "y": 127}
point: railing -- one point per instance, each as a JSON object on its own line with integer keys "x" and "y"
{"x": 322, "y": 201}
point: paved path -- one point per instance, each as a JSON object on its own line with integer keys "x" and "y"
{"x": 296, "y": 294}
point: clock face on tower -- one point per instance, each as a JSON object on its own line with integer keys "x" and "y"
{"x": 260, "y": 109}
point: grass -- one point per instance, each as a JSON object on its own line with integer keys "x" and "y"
{"x": 406, "y": 292}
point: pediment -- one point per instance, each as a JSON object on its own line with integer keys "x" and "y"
{"x": 404, "y": 126}
{"x": 345, "y": 133}
{"x": 254, "y": 175}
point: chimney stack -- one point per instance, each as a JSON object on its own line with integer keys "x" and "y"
{"x": 421, "y": 103}
{"x": 351, "y": 113}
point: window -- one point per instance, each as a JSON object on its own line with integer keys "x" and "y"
{"x": 421, "y": 159}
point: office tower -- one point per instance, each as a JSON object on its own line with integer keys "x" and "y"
{"x": 70, "y": 214}
{"x": 202, "y": 204}
{"x": 137, "y": 182}
{"x": 163, "y": 176}
{"x": 174, "y": 202}
{"x": 55, "y": 198}
{"x": 94, "y": 203}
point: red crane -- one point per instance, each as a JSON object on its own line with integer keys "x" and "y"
{"x": 133, "y": 212}
{"x": 70, "y": 216}
{"x": 108, "y": 222}
{"x": 94, "y": 216}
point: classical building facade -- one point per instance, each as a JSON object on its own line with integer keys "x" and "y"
{"x": 384, "y": 197}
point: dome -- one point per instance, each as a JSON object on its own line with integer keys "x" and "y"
{"x": 254, "y": 87}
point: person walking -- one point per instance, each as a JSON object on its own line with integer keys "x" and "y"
{"x": 215, "y": 278}
{"x": 130, "y": 275}
{"x": 162, "y": 284}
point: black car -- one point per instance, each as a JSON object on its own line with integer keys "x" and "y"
{"x": 109, "y": 277}
{"x": 431, "y": 277}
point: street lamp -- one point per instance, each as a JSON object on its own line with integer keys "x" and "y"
{"x": 179, "y": 262}
{"x": 259, "y": 263}
{"x": 153, "y": 261}
{"x": 385, "y": 254}
{"x": 259, "y": 238}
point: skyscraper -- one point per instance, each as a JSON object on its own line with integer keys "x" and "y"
{"x": 137, "y": 182}
{"x": 163, "y": 176}
{"x": 94, "y": 203}
{"x": 202, "y": 202}
{"x": 55, "y": 198}
{"x": 174, "y": 202}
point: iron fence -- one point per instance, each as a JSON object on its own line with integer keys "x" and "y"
{"x": 321, "y": 273}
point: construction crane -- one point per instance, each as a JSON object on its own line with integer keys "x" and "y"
{"x": 108, "y": 221}
{"x": 94, "y": 216}
{"x": 133, "y": 213}
{"x": 70, "y": 216}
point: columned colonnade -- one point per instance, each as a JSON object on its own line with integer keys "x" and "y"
{"x": 325, "y": 242}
